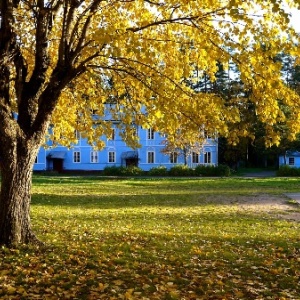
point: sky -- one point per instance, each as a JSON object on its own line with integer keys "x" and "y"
{"x": 295, "y": 19}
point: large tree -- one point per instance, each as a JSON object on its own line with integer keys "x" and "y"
{"x": 57, "y": 58}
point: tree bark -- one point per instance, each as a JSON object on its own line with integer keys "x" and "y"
{"x": 16, "y": 182}
{"x": 27, "y": 102}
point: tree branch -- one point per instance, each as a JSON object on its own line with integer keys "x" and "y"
{"x": 8, "y": 49}
{"x": 77, "y": 39}
{"x": 177, "y": 20}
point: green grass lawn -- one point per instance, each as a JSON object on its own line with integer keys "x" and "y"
{"x": 155, "y": 239}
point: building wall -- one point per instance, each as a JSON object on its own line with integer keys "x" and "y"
{"x": 291, "y": 160}
{"x": 150, "y": 155}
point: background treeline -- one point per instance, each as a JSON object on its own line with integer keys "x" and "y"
{"x": 251, "y": 150}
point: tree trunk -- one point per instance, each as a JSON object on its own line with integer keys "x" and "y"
{"x": 16, "y": 181}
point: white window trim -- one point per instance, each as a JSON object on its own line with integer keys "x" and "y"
{"x": 77, "y": 135}
{"x": 135, "y": 131}
{"x": 114, "y": 157}
{"x": 194, "y": 155}
{"x": 150, "y": 134}
{"x": 94, "y": 157}
{"x": 173, "y": 157}
{"x": 77, "y": 156}
{"x": 113, "y": 134}
{"x": 207, "y": 157}
{"x": 291, "y": 161}
{"x": 148, "y": 153}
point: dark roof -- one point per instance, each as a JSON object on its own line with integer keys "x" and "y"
{"x": 129, "y": 154}
{"x": 56, "y": 155}
{"x": 292, "y": 153}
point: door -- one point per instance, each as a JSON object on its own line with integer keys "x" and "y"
{"x": 58, "y": 165}
{"x": 131, "y": 162}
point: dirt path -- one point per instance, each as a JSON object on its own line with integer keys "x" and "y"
{"x": 279, "y": 206}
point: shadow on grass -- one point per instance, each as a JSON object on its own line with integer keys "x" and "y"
{"x": 174, "y": 183}
{"x": 173, "y": 200}
{"x": 95, "y": 193}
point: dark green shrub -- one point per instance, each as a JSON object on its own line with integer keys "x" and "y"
{"x": 132, "y": 171}
{"x": 113, "y": 171}
{"x": 158, "y": 171}
{"x": 181, "y": 170}
{"x": 223, "y": 170}
{"x": 122, "y": 171}
{"x": 205, "y": 170}
{"x": 286, "y": 170}
{"x": 210, "y": 170}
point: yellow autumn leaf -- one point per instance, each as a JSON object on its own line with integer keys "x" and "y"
{"x": 118, "y": 282}
{"x": 129, "y": 294}
{"x": 10, "y": 289}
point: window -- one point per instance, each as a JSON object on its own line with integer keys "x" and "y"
{"x": 291, "y": 161}
{"x": 207, "y": 134}
{"x": 36, "y": 160}
{"x": 195, "y": 158}
{"x": 113, "y": 134}
{"x": 77, "y": 135}
{"x": 207, "y": 157}
{"x": 150, "y": 157}
{"x": 150, "y": 134}
{"x": 111, "y": 156}
{"x": 173, "y": 157}
{"x": 135, "y": 131}
{"x": 94, "y": 156}
{"x": 76, "y": 157}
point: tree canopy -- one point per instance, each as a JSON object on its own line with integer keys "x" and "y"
{"x": 147, "y": 48}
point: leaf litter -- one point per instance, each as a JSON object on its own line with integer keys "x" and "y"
{"x": 226, "y": 247}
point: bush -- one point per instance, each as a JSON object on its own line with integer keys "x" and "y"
{"x": 181, "y": 170}
{"x": 210, "y": 170}
{"x": 178, "y": 170}
{"x": 132, "y": 171}
{"x": 122, "y": 171}
{"x": 223, "y": 170}
{"x": 203, "y": 170}
{"x": 158, "y": 171}
{"x": 112, "y": 171}
{"x": 286, "y": 170}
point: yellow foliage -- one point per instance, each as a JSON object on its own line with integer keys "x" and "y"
{"x": 137, "y": 54}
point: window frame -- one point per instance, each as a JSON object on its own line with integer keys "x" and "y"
{"x": 111, "y": 157}
{"x": 174, "y": 157}
{"x": 150, "y": 157}
{"x": 150, "y": 134}
{"x": 195, "y": 158}
{"x": 77, "y": 134}
{"x": 77, "y": 157}
{"x": 94, "y": 156}
{"x": 291, "y": 161}
{"x": 207, "y": 157}
{"x": 135, "y": 130}
{"x": 113, "y": 134}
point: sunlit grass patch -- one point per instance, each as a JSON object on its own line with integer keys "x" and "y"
{"x": 155, "y": 239}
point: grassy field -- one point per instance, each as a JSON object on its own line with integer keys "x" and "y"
{"x": 157, "y": 239}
